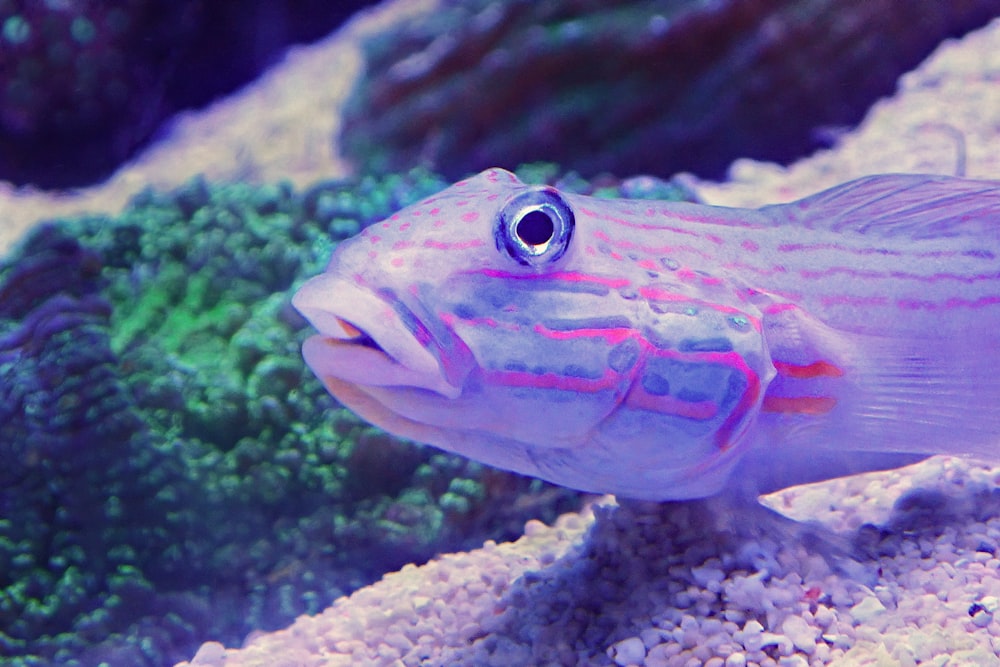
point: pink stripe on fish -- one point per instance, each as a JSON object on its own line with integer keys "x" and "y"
{"x": 552, "y": 380}
{"x": 612, "y": 336}
{"x": 656, "y": 251}
{"x": 565, "y": 276}
{"x": 798, "y": 247}
{"x": 456, "y": 245}
{"x": 900, "y": 275}
{"x": 660, "y": 294}
{"x": 953, "y": 302}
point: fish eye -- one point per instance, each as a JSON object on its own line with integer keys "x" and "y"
{"x": 534, "y": 227}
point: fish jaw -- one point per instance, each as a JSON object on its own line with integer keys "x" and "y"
{"x": 370, "y": 338}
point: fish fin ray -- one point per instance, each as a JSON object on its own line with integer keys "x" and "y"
{"x": 892, "y": 394}
{"x": 932, "y": 396}
{"x": 917, "y": 206}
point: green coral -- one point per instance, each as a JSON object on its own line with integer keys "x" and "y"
{"x": 239, "y": 495}
{"x": 195, "y": 481}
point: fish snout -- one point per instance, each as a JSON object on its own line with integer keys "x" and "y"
{"x": 368, "y": 338}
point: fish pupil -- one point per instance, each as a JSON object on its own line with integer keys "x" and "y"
{"x": 535, "y": 228}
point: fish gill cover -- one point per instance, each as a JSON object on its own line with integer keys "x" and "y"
{"x": 172, "y": 471}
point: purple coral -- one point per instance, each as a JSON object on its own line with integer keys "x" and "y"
{"x": 58, "y": 384}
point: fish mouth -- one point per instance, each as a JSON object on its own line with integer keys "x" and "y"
{"x": 357, "y": 336}
{"x": 368, "y": 338}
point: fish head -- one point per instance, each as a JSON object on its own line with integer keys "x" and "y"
{"x": 503, "y": 322}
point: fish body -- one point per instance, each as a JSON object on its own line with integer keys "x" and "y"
{"x": 668, "y": 350}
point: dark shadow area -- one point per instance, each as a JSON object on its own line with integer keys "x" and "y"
{"x": 639, "y": 561}
{"x": 921, "y": 515}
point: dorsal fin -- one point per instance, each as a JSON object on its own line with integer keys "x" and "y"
{"x": 916, "y": 206}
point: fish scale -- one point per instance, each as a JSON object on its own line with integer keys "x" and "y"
{"x": 669, "y": 350}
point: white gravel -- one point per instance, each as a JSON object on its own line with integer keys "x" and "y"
{"x": 673, "y": 585}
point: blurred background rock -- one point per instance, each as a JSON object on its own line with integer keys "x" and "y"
{"x": 636, "y": 86}
{"x": 86, "y": 83}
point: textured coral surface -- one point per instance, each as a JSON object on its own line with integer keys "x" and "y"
{"x": 172, "y": 470}
{"x": 154, "y": 402}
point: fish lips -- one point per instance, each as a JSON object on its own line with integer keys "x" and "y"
{"x": 364, "y": 340}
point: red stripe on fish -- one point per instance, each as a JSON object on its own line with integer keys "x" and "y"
{"x": 814, "y": 370}
{"x": 804, "y": 405}
{"x": 726, "y": 436}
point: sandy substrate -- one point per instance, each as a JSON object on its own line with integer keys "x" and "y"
{"x": 652, "y": 585}
{"x": 640, "y": 584}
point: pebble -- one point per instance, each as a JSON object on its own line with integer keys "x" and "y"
{"x": 629, "y": 651}
{"x": 652, "y": 637}
{"x": 783, "y": 643}
{"x": 708, "y": 577}
{"x": 802, "y": 635}
{"x": 209, "y": 654}
{"x": 751, "y": 637}
{"x": 736, "y": 660}
{"x": 982, "y": 618}
{"x": 867, "y": 609}
{"x": 824, "y": 616}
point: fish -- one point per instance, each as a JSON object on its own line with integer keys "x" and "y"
{"x": 662, "y": 350}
